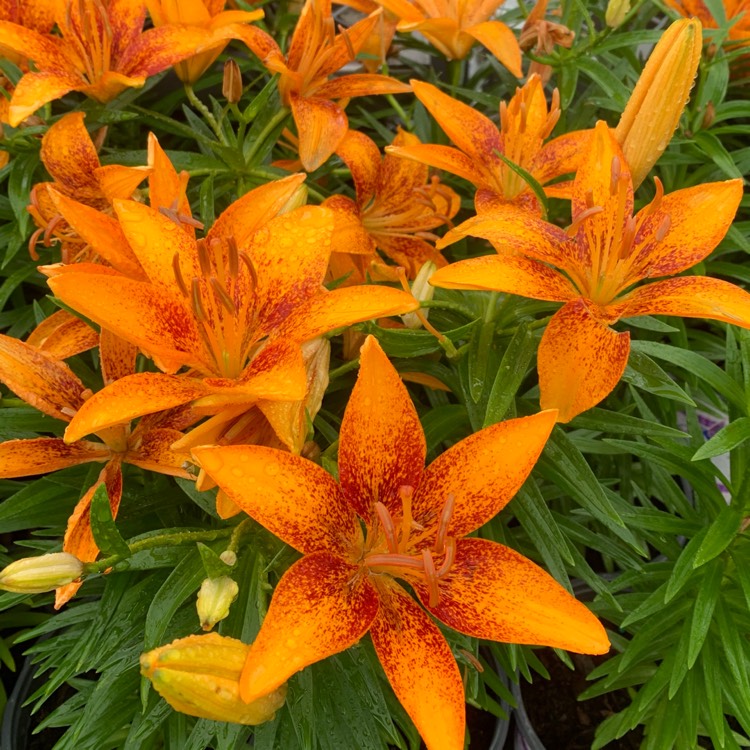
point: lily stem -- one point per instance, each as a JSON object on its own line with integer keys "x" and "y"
{"x": 206, "y": 112}
{"x": 270, "y": 126}
{"x": 347, "y": 367}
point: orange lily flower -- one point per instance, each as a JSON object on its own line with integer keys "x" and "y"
{"x": 315, "y": 53}
{"x": 206, "y": 14}
{"x": 593, "y": 266}
{"x": 415, "y": 520}
{"x": 376, "y": 45}
{"x": 71, "y": 158}
{"x": 102, "y": 51}
{"x": 525, "y": 122}
{"x": 543, "y": 36}
{"x": 234, "y": 306}
{"x": 396, "y": 207}
{"x": 452, "y": 26}
{"x": 42, "y": 380}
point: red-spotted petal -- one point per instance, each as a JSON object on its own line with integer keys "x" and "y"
{"x": 36, "y": 89}
{"x": 291, "y": 496}
{"x": 494, "y": 593}
{"x": 360, "y": 153}
{"x": 63, "y": 335}
{"x": 320, "y": 607}
{"x": 481, "y": 474}
{"x": 360, "y": 84}
{"x": 420, "y": 666}
{"x": 445, "y": 157}
{"x": 580, "y": 360}
{"x": 321, "y": 126}
{"x": 70, "y": 156}
{"x": 23, "y": 458}
{"x": 381, "y": 444}
{"x": 689, "y": 297}
{"x": 512, "y": 274}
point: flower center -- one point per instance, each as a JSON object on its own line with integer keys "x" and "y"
{"x": 402, "y": 559}
{"x": 87, "y": 29}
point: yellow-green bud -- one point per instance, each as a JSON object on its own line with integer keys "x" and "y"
{"x": 616, "y": 12}
{"x": 214, "y": 599}
{"x": 422, "y": 292}
{"x": 228, "y": 557}
{"x": 200, "y": 676}
{"x": 35, "y": 575}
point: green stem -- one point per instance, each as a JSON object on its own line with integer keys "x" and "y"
{"x": 531, "y": 327}
{"x": 400, "y": 111}
{"x": 162, "y": 540}
{"x": 206, "y": 112}
{"x": 441, "y": 304}
{"x": 456, "y": 71}
{"x": 348, "y": 367}
{"x": 271, "y": 125}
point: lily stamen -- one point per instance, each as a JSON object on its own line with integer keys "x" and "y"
{"x": 581, "y": 217}
{"x": 389, "y": 530}
{"x": 204, "y": 260}
{"x": 663, "y": 228}
{"x": 445, "y": 519}
{"x": 449, "y": 559}
{"x": 178, "y": 275}
{"x": 223, "y": 296}
{"x": 431, "y": 577}
{"x": 406, "y": 493}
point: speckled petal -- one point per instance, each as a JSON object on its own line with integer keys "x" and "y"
{"x": 291, "y": 496}
{"x": 381, "y": 444}
{"x": 319, "y": 608}
{"x": 501, "y": 41}
{"x": 23, "y": 458}
{"x": 420, "y": 666}
{"x": 482, "y": 473}
{"x": 494, "y": 593}
{"x": 321, "y": 126}
{"x": 580, "y": 360}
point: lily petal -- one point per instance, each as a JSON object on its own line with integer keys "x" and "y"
{"x": 292, "y": 497}
{"x": 69, "y": 155}
{"x": 697, "y": 219}
{"x": 476, "y": 135}
{"x": 23, "y": 458}
{"x": 361, "y": 84}
{"x": 154, "y": 453}
{"x": 690, "y": 297}
{"x": 512, "y": 274}
{"x": 158, "y": 49}
{"x": 381, "y": 444}
{"x": 63, "y": 335}
{"x": 421, "y": 668}
{"x": 482, "y": 473}
{"x": 79, "y": 539}
{"x": 39, "y": 379}
{"x": 319, "y": 608}
{"x": 360, "y": 153}
{"x": 116, "y": 356}
{"x": 344, "y": 307}
{"x": 580, "y": 360}
{"x": 443, "y": 157}
{"x": 561, "y": 155}
{"x": 165, "y": 186}
{"x": 117, "y": 181}
{"x": 100, "y": 231}
{"x": 36, "y": 89}
{"x": 321, "y": 125}
{"x": 501, "y": 41}
{"x": 131, "y": 397}
{"x": 494, "y": 593}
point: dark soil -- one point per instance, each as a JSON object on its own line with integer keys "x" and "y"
{"x": 559, "y": 719}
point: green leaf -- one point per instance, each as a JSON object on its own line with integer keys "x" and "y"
{"x": 408, "y": 343}
{"x": 705, "y": 602}
{"x": 510, "y": 374}
{"x": 529, "y": 179}
{"x": 214, "y": 566}
{"x": 710, "y": 145}
{"x": 697, "y": 365}
{"x": 684, "y": 570}
{"x": 644, "y": 373}
{"x": 719, "y": 535}
{"x": 103, "y": 527}
{"x": 602, "y": 420}
{"x": 724, "y": 440}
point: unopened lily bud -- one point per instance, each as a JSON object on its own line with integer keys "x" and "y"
{"x": 422, "y": 292}
{"x": 317, "y": 356}
{"x": 214, "y": 599}
{"x": 708, "y": 116}
{"x": 200, "y": 676}
{"x": 35, "y": 575}
{"x": 231, "y": 85}
{"x": 228, "y": 557}
{"x": 616, "y": 12}
{"x": 655, "y": 106}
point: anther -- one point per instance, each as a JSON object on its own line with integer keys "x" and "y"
{"x": 348, "y": 42}
{"x": 628, "y": 237}
{"x": 198, "y": 309}
{"x": 523, "y": 116}
{"x": 663, "y": 228}
{"x": 248, "y": 261}
{"x": 185, "y": 219}
{"x": 223, "y": 296}
{"x": 589, "y": 198}
{"x": 655, "y": 204}
{"x": 51, "y": 226}
{"x": 203, "y": 259}
{"x": 32, "y": 243}
{"x": 503, "y": 117}
{"x": 431, "y": 577}
{"x": 386, "y": 523}
{"x": 178, "y": 275}
{"x": 233, "y": 257}
{"x": 445, "y": 519}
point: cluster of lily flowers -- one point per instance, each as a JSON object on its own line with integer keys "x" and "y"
{"x": 237, "y": 323}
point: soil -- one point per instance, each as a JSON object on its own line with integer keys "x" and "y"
{"x": 559, "y": 719}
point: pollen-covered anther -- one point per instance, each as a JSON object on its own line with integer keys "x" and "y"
{"x": 223, "y": 296}
{"x": 524, "y": 111}
{"x": 197, "y": 302}
{"x": 614, "y": 179}
{"x": 248, "y": 261}
{"x": 445, "y": 519}
{"x": 233, "y": 257}
{"x": 431, "y": 578}
{"x": 51, "y": 226}
{"x": 628, "y": 237}
{"x": 178, "y": 275}
{"x": 178, "y": 218}
{"x": 589, "y": 198}
{"x": 204, "y": 260}
{"x": 347, "y": 41}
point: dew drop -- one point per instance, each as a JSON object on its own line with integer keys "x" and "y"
{"x": 237, "y": 472}
{"x": 272, "y": 470}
